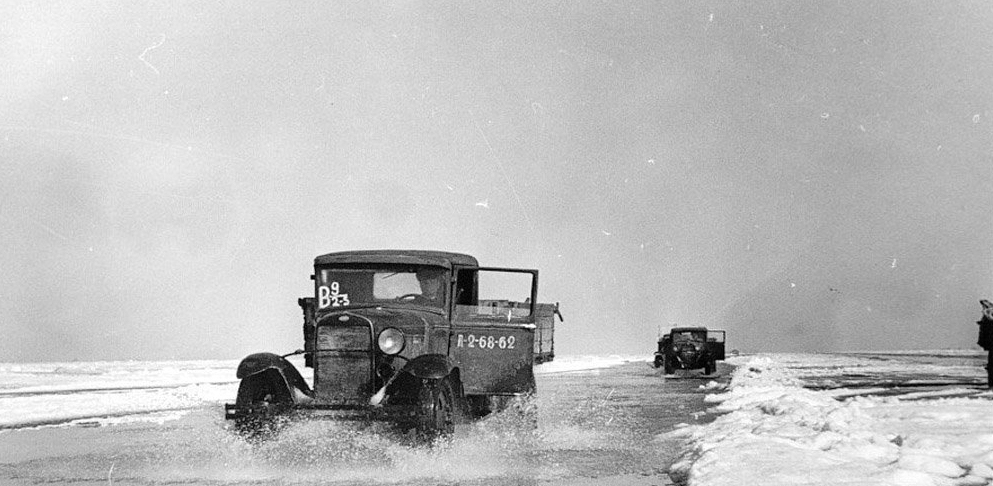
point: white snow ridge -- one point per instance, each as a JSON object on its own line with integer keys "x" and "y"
{"x": 776, "y": 432}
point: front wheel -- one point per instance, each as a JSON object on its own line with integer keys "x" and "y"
{"x": 262, "y": 422}
{"x": 438, "y": 408}
{"x": 263, "y": 403}
{"x": 667, "y": 365}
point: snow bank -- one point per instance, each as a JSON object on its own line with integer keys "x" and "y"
{"x": 775, "y": 432}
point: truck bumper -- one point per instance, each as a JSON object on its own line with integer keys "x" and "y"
{"x": 395, "y": 413}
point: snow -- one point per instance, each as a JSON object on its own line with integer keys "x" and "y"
{"x": 44, "y": 394}
{"x": 907, "y": 418}
{"x": 816, "y": 419}
{"x": 34, "y": 394}
{"x": 563, "y": 364}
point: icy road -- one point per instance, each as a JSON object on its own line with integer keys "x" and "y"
{"x": 596, "y": 426}
{"x": 899, "y": 418}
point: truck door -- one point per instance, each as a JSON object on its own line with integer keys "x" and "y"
{"x": 715, "y": 340}
{"x": 492, "y": 338}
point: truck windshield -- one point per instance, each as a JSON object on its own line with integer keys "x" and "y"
{"x": 689, "y": 336}
{"x": 376, "y": 285}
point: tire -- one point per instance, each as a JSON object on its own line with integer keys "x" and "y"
{"x": 658, "y": 361}
{"x": 266, "y": 402}
{"x": 263, "y": 423}
{"x": 437, "y": 409}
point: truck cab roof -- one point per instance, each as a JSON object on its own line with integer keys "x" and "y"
{"x": 410, "y": 257}
{"x": 684, "y": 329}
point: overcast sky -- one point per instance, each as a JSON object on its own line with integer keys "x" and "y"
{"x": 810, "y": 176}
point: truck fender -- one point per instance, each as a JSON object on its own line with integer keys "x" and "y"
{"x": 429, "y": 366}
{"x": 268, "y": 369}
{"x": 405, "y": 385}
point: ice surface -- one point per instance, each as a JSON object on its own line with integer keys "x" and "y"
{"x": 816, "y": 419}
{"x": 907, "y": 418}
{"x": 58, "y": 393}
{"x": 36, "y": 394}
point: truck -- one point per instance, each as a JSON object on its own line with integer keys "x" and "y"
{"x": 423, "y": 339}
{"x": 690, "y": 348}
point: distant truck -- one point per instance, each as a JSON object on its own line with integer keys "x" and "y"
{"x": 423, "y": 339}
{"x": 690, "y": 348}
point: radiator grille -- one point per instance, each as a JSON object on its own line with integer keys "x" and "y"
{"x": 343, "y": 365}
{"x": 344, "y": 338}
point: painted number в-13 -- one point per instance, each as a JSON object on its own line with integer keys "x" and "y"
{"x": 485, "y": 342}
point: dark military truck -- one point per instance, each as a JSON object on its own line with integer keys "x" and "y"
{"x": 424, "y": 339}
{"x": 690, "y": 348}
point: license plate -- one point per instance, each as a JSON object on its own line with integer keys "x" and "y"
{"x": 485, "y": 341}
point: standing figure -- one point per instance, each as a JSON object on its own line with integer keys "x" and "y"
{"x": 986, "y": 338}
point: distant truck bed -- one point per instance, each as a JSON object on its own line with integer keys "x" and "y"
{"x": 544, "y": 333}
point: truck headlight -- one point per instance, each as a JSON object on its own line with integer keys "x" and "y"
{"x": 390, "y": 340}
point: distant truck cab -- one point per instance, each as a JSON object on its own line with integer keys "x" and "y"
{"x": 690, "y": 348}
{"x": 424, "y": 339}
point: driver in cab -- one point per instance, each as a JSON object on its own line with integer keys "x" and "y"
{"x": 430, "y": 282}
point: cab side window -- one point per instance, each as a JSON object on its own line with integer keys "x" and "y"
{"x": 465, "y": 287}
